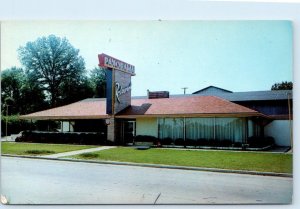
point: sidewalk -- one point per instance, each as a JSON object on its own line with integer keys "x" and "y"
{"x": 77, "y": 152}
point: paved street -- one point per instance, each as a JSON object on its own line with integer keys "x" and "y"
{"x": 57, "y": 182}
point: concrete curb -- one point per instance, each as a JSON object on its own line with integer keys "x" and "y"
{"x": 158, "y": 166}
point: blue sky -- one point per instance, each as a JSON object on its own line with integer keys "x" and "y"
{"x": 169, "y": 55}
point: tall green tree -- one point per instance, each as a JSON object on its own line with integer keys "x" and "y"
{"x": 285, "y": 85}
{"x": 98, "y": 80}
{"x": 75, "y": 89}
{"x": 12, "y": 81}
{"x": 51, "y": 61}
{"x": 21, "y": 93}
{"x": 33, "y": 96}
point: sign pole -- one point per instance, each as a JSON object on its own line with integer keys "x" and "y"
{"x": 113, "y": 91}
{"x": 118, "y": 90}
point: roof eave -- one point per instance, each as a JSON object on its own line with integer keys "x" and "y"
{"x": 194, "y": 115}
{"x": 28, "y": 117}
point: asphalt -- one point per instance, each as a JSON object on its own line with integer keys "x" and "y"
{"x": 64, "y": 157}
{"x": 31, "y": 181}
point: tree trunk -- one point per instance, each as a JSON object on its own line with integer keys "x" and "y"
{"x": 53, "y": 97}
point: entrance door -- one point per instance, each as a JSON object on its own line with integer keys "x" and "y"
{"x": 128, "y": 131}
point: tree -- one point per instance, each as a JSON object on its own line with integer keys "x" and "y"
{"x": 98, "y": 80}
{"x": 22, "y": 94}
{"x": 282, "y": 86}
{"x": 32, "y": 96}
{"x": 75, "y": 89}
{"x": 11, "y": 83}
{"x": 51, "y": 60}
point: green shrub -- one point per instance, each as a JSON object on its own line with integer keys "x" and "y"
{"x": 254, "y": 142}
{"x": 213, "y": 142}
{"x": 202, "y": 142}
{"x": 191, "y": 142}
{"x": 39, "y": 152}
{"x": 89, "y": 155}
{"x": 237, "y": 144}
{"x": 145, "y": 138}
{"x": 166, "y": 141}
{"x": 225, "y": 143}
{"x": 260, "y": 141}
{"x": 179, "y": 142}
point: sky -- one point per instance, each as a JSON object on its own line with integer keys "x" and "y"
{"x": 170, "y": 55}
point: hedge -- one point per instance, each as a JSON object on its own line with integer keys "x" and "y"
{"x": 91, "y": 138}
{"x": 260, "y": 141}
{"x": 63, "y": 138}
{"x": 256, "y": 142}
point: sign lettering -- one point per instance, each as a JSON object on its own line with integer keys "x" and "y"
{"x": 108, "y": 61}
{"x": 120, "y": 91}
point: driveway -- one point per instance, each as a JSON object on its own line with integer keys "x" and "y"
{"x": 33, "y": 181}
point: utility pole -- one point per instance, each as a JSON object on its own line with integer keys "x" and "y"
{"x": 7, "y": 101}
{"x": 184, "y": 88}
{"x": 6, "y": 120}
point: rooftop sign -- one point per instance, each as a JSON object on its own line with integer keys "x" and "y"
{"x": 118, "y": 83}
{"x": 110, "y": 62}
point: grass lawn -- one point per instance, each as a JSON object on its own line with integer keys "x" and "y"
{"x": 266, "y": 162}
{"x": 38, "y": 149}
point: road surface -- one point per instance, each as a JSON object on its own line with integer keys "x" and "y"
{"x": 33, "y": 181}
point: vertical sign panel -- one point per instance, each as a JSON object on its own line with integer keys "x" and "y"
{"x": 109, "y": 95}
{"x": 118, "y": 83}
{"x": 122, "y": 90}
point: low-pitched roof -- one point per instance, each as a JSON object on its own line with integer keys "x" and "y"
{"x": 85, "y": 109}
{"x": 186, "y": 106}
{"x": 257, "y": 95}
{"x": 210, "y": 89}
{"x": 196, "y": 106}
{"x": 245, "y": 96}
{"x": 242, "y": 96}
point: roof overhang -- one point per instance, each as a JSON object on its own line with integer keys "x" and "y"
{"x": 28, "y": 117}
{"x": 195, "y": 115}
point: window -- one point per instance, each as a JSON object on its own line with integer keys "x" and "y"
{"x": 172, "y": 129}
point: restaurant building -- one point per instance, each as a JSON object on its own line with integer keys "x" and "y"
{"x": 177, "y": 120}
